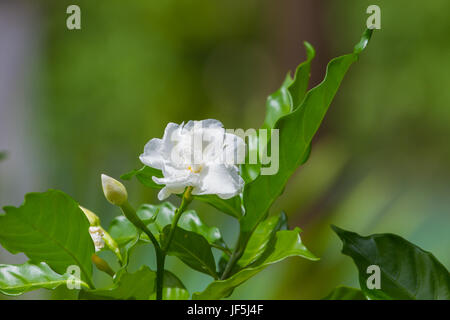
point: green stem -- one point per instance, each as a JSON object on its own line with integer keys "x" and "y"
{"x": 184, "y": 203}
{"x": 162, "y": 252}
{"x": 235, "y": 256}
{"x": 131, "y": 215}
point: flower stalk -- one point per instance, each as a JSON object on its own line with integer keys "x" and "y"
{"x": 116, "y": 194}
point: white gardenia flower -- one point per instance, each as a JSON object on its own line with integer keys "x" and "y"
{"x": 97, "y": 237}
{"x": 199, "y": 154}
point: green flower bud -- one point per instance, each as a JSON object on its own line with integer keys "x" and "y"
{"x": 114, "y": 191}
{"x": 94, "y": 220}
{"x": 102, "y": 265}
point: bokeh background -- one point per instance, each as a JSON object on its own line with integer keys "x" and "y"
{"x": 75, "y": 104}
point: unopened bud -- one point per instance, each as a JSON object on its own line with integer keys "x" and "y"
{"x": 94, "y": 220}
{"x": 114, "y": 191}
{"x": 102, "y": 265}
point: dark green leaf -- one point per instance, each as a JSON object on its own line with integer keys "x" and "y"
{"x": 18, "y": 279}
{"x": 407, "y": 271}
{"x": 173, "y": 288}
{"x": 189, "y": 221}
{"x": 296, "y": 131}
{"x": 49, "y": 227}
{"x": 287, "y": 243}
{"x": 345, "y": 293}
{"x": 192, "y": 249}
{"x": 230, "y": 206}
{"x": 144, "y": 176}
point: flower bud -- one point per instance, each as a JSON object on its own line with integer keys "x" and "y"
{"x": 94, "y": 220}
{"x": 102, "y": 265}
{"x": 114, "y": 191}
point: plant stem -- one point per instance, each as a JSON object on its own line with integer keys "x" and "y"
{"x": 162, "y": 252}
{"x": 131, "y": 215}
{"x": 184, "y": 203}
{"x": 237, "y": 253}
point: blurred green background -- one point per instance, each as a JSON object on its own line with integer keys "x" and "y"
{"x": 75, "y": 104}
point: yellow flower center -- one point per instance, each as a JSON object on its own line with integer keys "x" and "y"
{"x": 195, "y": 171}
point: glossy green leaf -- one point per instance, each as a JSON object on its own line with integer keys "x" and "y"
{"x": 192, "y": 249}
{"x": 286, "y": 99}
{"x": 407, "y": 271}
{"x": 291, "y": 92}
{"x": 49, "y": 227}
{"x": 345, "y": 293}
{"x": 189, "y": 221}
{"x": 296, "y": 131}
{"x": 18, "y": 279}
{"x": 139, "y": 285}
{"x": 287, "y": 243}
{"x": 122, "y": 230}
{"x": 261, "y": 238}
{"x": 230, "y": 206}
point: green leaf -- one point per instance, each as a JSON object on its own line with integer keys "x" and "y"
{"x": 18, "y": 279}
{"x": 291, "y": 93}
{"x": 122, "y": 230}
{"x": 139, "y": 285}
{"x": 282, "y": 102}
{"x": 189, "y": 221}
{"x": 261, "y": 238}
{"x": 287, "y": 243}
{"x": 192, "y": 249}
{"x": 49, "y": 227}
{"x": 144, "y": 176}
{"x": 296, "y": 131}
{"x": 231, "y": 206}
{"x": 407, "y": 271}
{"x": 345, "y": 293}
{"x": 173, "y": 288}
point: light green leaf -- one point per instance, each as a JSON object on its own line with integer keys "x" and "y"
{"x": 282, "y": 102}
{"x": 127, "y": 237}
{"x": 345, "y": 293}
{"x": 230, "y": 206}
{"x": 18, "y": 279}
{"x": 189, "y": 221}
{"x": 122, "y": 230}
{"x": 407, "y": 271}
{"x": 49, "y": 227}
{"x": 192, "y": 249}
{"x": 296, "y": 131}
{"x": 287, "y": 243}
{"x": 139, "y": 285}
{"x": 291, "y": 93}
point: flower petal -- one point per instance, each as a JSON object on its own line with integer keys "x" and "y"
{"x": 153, "y": 156}
{"x": 219, "y": 179}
